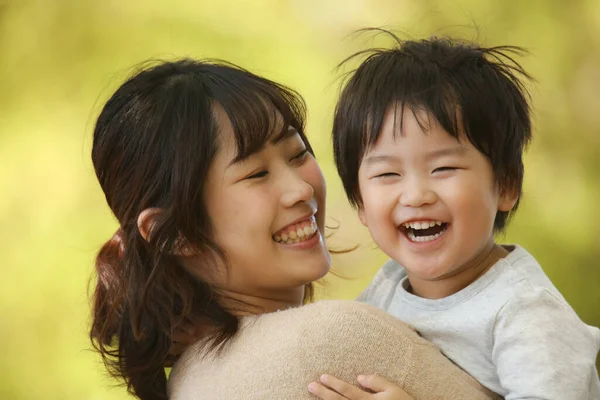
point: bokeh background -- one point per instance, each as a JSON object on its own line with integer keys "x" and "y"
{"x": 61, "y": 59}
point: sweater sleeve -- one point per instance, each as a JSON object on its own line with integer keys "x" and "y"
{"x": 346, "y": 339}
{"x": 542, "y": 350}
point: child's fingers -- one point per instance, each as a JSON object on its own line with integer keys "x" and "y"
{"x": 346, "y": 389}
{"x": 323, "y": 392}
{"x": 184, "y": 333}
{"x": 176, "y": 349}
{"x": 375, "y": 383}
{"x": 170, "y": 361}
{"x": 188, "y": 327}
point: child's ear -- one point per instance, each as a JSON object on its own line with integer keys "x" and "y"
{"x": 361, "y": 216}
{"x": 147, "y": 220}
{"x": 508, "y": 199}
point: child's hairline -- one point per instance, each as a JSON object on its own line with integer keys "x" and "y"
{"x": 400, "y": 106}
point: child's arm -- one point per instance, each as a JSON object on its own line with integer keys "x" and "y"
{"x": 346, "y": 339}
{"x": 542, "y": 350}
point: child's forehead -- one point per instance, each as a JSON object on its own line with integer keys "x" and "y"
{"x": 400, "y": 118}
{"x": 421, "y": 126}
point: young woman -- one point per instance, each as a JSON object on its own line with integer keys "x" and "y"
{"x": 221, "y": 207}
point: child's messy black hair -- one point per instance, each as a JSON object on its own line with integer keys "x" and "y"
{"x": 468, "y": 89}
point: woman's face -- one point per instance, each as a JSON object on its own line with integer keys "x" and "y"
{"x": 268, "y": 215}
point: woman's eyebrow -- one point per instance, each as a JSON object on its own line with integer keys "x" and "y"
{"x": 290, "y": 131}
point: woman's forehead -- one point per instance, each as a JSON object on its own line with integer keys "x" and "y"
{"x": 244, "y": 140}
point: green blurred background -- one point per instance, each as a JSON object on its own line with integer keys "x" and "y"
{"x": 61, "y": 59}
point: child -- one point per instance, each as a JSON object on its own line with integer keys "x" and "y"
{"x": 428, "y": 141}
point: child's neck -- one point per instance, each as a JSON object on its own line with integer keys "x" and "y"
{"x": 469, "y": 273}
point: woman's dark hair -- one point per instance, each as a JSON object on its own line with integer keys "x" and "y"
{"x": 465, "y": 87}
{"x": 154, "y": 142}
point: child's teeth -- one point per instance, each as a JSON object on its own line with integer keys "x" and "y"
{"x": 423, "y": 238}
{"x": 422, "y": 224}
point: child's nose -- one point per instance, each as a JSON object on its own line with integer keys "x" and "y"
{"x": 417, "y": 193}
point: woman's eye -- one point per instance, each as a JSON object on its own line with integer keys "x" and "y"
{"x": 300, "y": 155}
{"x": 260, "y": 174}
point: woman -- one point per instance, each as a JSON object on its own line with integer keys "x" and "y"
{"x": 221, "y": 206}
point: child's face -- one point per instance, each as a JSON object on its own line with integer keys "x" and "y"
{"x": 429, "y": 200}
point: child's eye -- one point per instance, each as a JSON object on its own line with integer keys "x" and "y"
{"x": 387, "y": 175}
{"x": 260, "y": 174}
{"x": 442, "y": 169}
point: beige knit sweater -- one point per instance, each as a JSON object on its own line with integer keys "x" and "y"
{"x": 276, "y": 356}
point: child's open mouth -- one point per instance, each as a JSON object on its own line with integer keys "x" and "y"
{"x": 423, "y": 231}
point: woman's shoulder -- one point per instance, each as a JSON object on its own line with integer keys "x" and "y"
{"x": 348, "y": 319}
{"x": 347, "y": 308}
{"x": 326, "y": 312}
{"x": 348, "y": 311}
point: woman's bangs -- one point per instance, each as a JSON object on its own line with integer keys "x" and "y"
{"x": 260, "y": 113}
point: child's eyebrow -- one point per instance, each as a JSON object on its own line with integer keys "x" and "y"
{"x": 370, "y": 160}
{"x": 447, "y": 151}
{"x": 432, "y": 155}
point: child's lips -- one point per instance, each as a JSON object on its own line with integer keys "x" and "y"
{"x": 419, "y": 233}
{"x": 421, "y": 224}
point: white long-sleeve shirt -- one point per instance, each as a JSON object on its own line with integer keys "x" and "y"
{"x": 510, "y": 329}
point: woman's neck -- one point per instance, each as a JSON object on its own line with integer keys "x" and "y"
{"x": 244, "y": 304}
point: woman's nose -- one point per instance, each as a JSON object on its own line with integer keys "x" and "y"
{"x": 295, "y": 190}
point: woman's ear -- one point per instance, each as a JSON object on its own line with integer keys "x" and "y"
{"x": 147, "y": 220}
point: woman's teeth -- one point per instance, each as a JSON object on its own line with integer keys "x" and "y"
{"x": 297, "y": 233}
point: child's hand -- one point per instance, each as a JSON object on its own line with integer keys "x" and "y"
{"x": 185, "y": 334}
{"x": 331, "y": 388}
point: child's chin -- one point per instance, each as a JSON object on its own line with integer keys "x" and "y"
{"x": 425, "y": 274}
